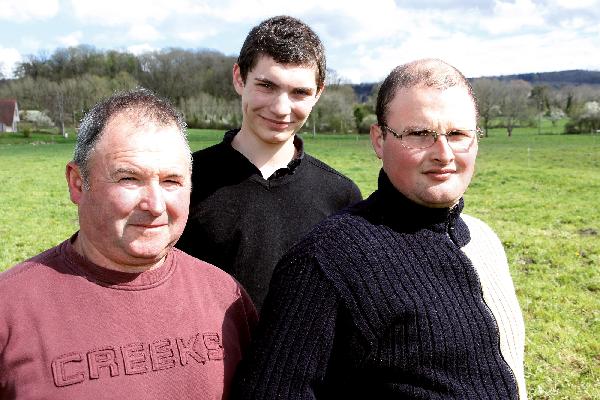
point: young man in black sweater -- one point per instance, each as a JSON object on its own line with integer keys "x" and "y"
{"x": 400, "y": 296}
{"x": 257, "y": 192}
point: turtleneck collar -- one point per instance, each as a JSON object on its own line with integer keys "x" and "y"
{"x": 392, "y": 208}
{"x": 116, "y": 279}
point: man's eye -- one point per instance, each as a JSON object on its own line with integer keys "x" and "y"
{"x": 127, "y": 179}
{"x": 265, "y": 85}
{"x": 302, "y": 93}
{"x": 419, "y": 133}
{"x": 458, "y": 133}
{"x": 172, "y": 183}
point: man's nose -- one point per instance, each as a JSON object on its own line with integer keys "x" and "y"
{"x": 281, "y": 105}
{"x": 442, "y": 150}
{"x": 153, "y": 199}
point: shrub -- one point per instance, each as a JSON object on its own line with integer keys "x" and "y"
{"x": 367, "y": 121}
{"x": 586, "y": 120}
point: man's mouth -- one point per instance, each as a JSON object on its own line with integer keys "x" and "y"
{"x": 440, "y": 174}
{"x": 277, "y": 124}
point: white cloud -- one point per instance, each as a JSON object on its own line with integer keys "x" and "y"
{"x": 119, "y": 12}
{"x": 577, "y": 4}
{"x": 143, "y": 32}
{"x": 364, "y": 39}
{"x": 140, "y": 48}
{"x": 574, "y": 23}
{"x": 232, "y": 11}
{"x": 70, "y": 40}
{"x": 26, "y": 10}
{"x": 478, "y": 56}
{"x": 195, "y": 36}
{"x": 511, "y": 17}
{"x": 9, "y": 58}
{"x": 30, "y": 44}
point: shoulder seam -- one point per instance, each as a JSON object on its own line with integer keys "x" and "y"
{"x": 322, "y": 165}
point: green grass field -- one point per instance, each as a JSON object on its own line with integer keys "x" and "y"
{"x": 539, "y": 192}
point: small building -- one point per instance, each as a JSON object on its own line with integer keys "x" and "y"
{"x": 9, "y": 115}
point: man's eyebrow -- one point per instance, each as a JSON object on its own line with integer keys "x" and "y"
{"x": 124, "y": 171}
{"x": 265, "y": 80}
{"x": 416, "y": 128}
{"x": 173, "y": 175}
{"x": 306, "y": 90}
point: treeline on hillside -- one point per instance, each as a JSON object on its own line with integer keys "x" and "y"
{"x": 68, "y": 82}
{"x": 506, "y": 102}
{"x": 557, "y": 79}
{"x": 512, "y": 103}
{"x": 64, "y": 85}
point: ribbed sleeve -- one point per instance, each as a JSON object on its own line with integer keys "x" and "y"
{"x": 292, "y": 346}
{"x": 489, "y": 260}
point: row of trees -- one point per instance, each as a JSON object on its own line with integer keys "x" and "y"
{"x": 68, "y": 82}
{"x": 504, "y": 104}
{"x": 516, "y": 103}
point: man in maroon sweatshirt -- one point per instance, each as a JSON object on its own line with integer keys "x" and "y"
{"x": 116, "y": 311}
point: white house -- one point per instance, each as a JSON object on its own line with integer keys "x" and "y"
{"x": 9, "y": 115}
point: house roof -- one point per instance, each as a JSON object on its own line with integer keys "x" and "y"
{"x": 7, "y": 110}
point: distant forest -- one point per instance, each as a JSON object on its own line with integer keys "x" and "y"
{"x": 57, "y": 89}
{"x": 558, "y": 79}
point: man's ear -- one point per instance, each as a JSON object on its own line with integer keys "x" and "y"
{"x": 320, "y": 91}
{"x": 377, "y": 140}
{"x": 74, "y": 181}
{"x": 238, "y": 82}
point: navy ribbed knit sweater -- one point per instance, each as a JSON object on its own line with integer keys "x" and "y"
{"x": 382, "y": 301}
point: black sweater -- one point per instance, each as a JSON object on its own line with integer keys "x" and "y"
{"x": 243, "y": 223}
{"x": 381, "y": 301}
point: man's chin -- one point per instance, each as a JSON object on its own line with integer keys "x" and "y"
{"x": 438, "y": 200}
{"x": 147, "y": 254}
{"x": 277, "y": 137}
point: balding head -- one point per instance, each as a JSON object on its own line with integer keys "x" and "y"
{"x": 429, "y": 72}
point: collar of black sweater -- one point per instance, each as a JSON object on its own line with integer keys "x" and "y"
{"x": 291, "y": 166}
{"x": 398, "y": 212}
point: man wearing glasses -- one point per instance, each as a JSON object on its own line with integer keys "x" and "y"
{"x": 401, "y": 296}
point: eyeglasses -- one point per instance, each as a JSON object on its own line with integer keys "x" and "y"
{"x": 459, "y": 140}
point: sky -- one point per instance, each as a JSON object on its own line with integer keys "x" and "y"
{"x": 364, "y": 39}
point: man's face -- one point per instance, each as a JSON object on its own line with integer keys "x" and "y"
{"x": 436, "y": 176}
{"x": 137, "y": 203}
{"x": 276, "y": 99}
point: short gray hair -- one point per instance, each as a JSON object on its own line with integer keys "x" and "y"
{"x": 141, "y": 103}
{"x": 428, "y": 72}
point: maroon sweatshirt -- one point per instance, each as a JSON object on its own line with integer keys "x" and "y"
{"x": 72, "y": 330}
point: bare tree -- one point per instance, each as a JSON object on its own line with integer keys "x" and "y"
{"x": 334, "y": 112}
{"x": 334, "y": 79}
{"x": 489, "y": 94}
{"x": 554, "y": 115}
{"x": 514, "y": 105}
{"x": 206, "y": 111}
{"x": 540, "y": 101}
{"x": 54, "y": 98}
